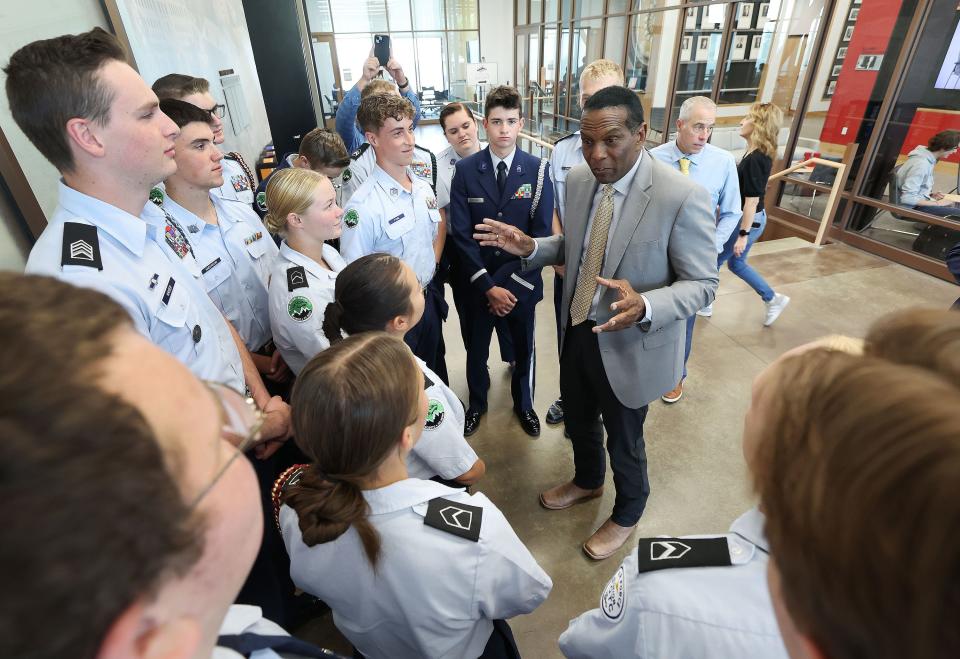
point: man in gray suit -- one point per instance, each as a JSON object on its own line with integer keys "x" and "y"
{"x": 639, "y": 249}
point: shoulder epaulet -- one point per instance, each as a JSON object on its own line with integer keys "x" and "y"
{"x": 296, "y": 278}
{"x": 565, "y": 137}
{"x": 455, "y": 518}
{"x": 81, "y": 246}
{"x": 666, "y": 553}
{"x": 156, "y": 195}
{"x": 237, "y": 158}
{"x": 289, "y": 477}
{"x": 360, "y": 151}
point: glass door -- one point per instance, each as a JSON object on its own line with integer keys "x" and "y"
{"x": 328, "y": 76}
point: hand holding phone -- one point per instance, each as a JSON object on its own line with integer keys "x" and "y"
{"x": 381, "y": 48}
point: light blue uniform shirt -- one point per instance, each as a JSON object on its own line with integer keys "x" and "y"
{"x": 685, "y": 613}
{"x": 567, "y": 153}
{"x": 161, "y": 289}
{"x": 298, "y": 305}
{"x": 716, "y": 170}
{"x": 433, "y": 594}
{"x": 236, "y": 256}
{"x": 441, "y": 450}
{"x": 383, "y": 217}
{"x": 364, "y": 160}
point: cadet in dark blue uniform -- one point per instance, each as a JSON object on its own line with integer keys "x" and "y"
{"x": 503, "y": 183}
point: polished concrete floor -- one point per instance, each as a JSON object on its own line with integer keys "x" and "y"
{"x": 697, "y": 474}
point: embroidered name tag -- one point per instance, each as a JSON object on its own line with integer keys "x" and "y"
{"x": 169, "y": 291}
{"x": 474, "y": 200}
{"x": 210, "y": 266}
{"x": 396, "y": 219}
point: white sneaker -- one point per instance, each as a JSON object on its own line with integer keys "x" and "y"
{"x": 707, "y": 311}
{"x": 775, "y": 307}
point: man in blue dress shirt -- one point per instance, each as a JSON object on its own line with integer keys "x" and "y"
{"x": 714, "y": 169}
{"x": 347, "y": 111}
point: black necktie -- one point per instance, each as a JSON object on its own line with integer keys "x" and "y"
{"x": 501, "y": 176}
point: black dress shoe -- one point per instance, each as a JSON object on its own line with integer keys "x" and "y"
{"x": 471, "y": 421}
{"x": 555, "y": 412}
{"x": 530, "y": 422}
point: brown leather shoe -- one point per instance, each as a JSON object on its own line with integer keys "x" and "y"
{"x": 564, "y": 496}
{"x": 674, "y": 394}
{"x": 606, "y": 540}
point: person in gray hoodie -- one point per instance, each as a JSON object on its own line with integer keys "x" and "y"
{"x": 915, "y": 176}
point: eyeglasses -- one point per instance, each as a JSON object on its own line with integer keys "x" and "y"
{"x": 218, "y": 110}
{"x": 241, "y": 422}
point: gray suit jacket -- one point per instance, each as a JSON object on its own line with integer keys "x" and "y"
{"x": 663, "y": 244}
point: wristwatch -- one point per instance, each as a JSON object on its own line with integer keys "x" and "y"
{"x": 744, "y": 232}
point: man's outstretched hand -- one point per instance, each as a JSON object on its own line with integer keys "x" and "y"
{"x": 503, "y": 236}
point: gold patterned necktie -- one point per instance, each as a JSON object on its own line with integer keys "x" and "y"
{"x": 587, "y": 279}
{"x": 685, "y": 166}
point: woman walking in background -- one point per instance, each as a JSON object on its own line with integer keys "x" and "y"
{"x": 759, "y": 128}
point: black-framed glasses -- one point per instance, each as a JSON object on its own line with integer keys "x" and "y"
{"x": 218, "y": 110}
{"x": 241, "y": 421}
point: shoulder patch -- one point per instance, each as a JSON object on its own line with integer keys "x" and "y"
{"x": 81, "y": 246}
{"x": 351, "y": 218}
{"x": 346, "y": 175}
{"x": 296, "y": 278}
{"x": 262, "y": 201}
{"x": 300, "y": 308}
{"x": 156, "y": 195}
{"x": 455, "y": 518}
{"x": 359, "y": 152}
{"x": 665, "y": 553}
{"x": 435, "y": 414}
{"x": 614, "y": 596}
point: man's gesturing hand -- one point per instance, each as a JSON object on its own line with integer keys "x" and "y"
{"x": 630, "y": 306}
{"x": 503, "y": 236}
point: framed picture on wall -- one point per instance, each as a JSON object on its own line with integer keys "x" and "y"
{"x": 831, "y": 87}
{"x": 763, "y": 13}
{"x": 703, "y": 49}
{"x": 841, "y": 52}
{"x": 836, "y": 70}
{"x": 745, "y": 17}
{"x": 691, "y": 21}
{"x": 848, "y": 33}
{"x": 853, "y": 14}
{"x": 686, "y": 48}
{"x": 739, "y": 51}
{"x": 755, "y": 47}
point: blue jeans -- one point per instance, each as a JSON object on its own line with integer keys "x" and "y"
{"x": 738, "y": 264}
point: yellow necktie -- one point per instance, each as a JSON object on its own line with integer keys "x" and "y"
{"x": 587, "y": 278}
{"x": 685, "y": 166}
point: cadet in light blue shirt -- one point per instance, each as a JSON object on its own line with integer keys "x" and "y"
{"x": 395, "y": 212}
{"x": 146, "y": 264}
{"x": 232, "y": 246}
{"x": 662, "y": 603}
{"x": 714, "y": 169}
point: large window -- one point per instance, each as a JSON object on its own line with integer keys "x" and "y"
{"x": 433, "y": 40}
